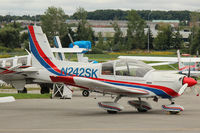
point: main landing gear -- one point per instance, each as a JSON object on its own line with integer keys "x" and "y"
{"x": 114, "y": 107}
{"x": 172, "y": 108}
{"x": 140, "y": 105}
{"x": 44, "y": 89}
{"x": 111, "y": 107}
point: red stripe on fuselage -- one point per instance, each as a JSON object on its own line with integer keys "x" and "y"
{"x": 167, "y": 90}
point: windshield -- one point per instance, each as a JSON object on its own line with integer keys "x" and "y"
{"x": 130, "y": 67}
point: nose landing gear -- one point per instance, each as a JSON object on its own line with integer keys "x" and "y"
{"x": 172, "y": 108}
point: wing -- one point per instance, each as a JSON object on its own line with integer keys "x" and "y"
{"x": 68, "y": 50}
{"x": 98, "y": 85}
{"x": 162, "y": 63}
{"x": 151, "y": 58}
{"x": 162, "y": 59}
{"x": 16, "y": 73}
{"x": 192, "y": 73}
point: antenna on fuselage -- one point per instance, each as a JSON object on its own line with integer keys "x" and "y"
{"x": 70, "y": 37}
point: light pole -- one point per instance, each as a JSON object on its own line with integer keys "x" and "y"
{"x": 148, "y": 31}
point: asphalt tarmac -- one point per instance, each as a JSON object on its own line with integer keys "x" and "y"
{"x": 82, "y": 115}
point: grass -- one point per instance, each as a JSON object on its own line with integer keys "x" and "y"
{"x": 10, "y": 87}
{"x": 26, "y": 96}
{"x": 166, "y": 67}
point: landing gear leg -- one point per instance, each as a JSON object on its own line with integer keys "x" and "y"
{"x": 117, "y": 98}
{"x": 140, "y": 109}
{"x": 141, "y": 106}
{"x": 172, "y": 101}
{"x": 115, "y": 101}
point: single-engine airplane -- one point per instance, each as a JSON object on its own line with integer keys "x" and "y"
{"x": 123, "y": 77}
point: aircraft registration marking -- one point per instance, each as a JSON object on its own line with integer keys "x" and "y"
{"x": 81, "y": 72}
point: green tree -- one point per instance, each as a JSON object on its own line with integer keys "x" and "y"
{"x": 100, "y": 42}
{"x": 149, "y": 33}
{"x": 118, "y": 37}
{"x": 84, "y": 30}
{"x": 54, "y": 22}
{"x": 177, "y": 40}
{"x": 195, "y": 43}
{"x": 135, "y": 32}
{"x": 195, "y": 18}
{"x": 100, "y": 45}
{"x": 65, "y": 40}
{"x": 9, "y": 37}
{"x": 24, "y": 40}
{"x": 163, "y": 41}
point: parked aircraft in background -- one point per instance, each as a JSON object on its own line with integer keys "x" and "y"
{"x": 16, "y": 70}
{"x": 189, "y": 67}
{"x": 123, "y": 77}
{"x": 184, "y": 63}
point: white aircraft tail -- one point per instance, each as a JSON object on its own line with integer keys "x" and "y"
{"x": 39, "y": 46}
{"x": 180, "y": 63}
{"x": 42, "y": 55}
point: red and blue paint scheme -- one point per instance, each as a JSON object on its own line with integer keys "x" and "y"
{"x": 126, "y": 78}
{"x": 173, "y": 108}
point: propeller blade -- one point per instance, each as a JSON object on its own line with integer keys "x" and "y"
{"x": 195, "y": 90}
{"x": 182, "y": 89}
{"x": 189, "y": 69}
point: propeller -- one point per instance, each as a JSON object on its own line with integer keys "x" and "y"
{"x": 182, "y": 89}
{"x": 187, "y": 82}
{"x": 193, "y": 88}
{"x": 189, "y": 69}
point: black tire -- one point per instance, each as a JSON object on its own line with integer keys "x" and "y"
{"x": 85, "y": 93}
{"x": 44, "y": 90}
{"x": 111, "y": 112}
{"x": 173, "y": 112}
{"x": 23, "y": 91}
{"x": 141, "y": 110}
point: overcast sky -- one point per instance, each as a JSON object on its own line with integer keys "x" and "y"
{"x": 33, "y": 7}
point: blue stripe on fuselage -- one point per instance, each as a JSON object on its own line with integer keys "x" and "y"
{"x": 154, "y": 90}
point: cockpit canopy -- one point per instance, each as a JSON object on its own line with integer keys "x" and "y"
{"x": 125, "y": 67}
